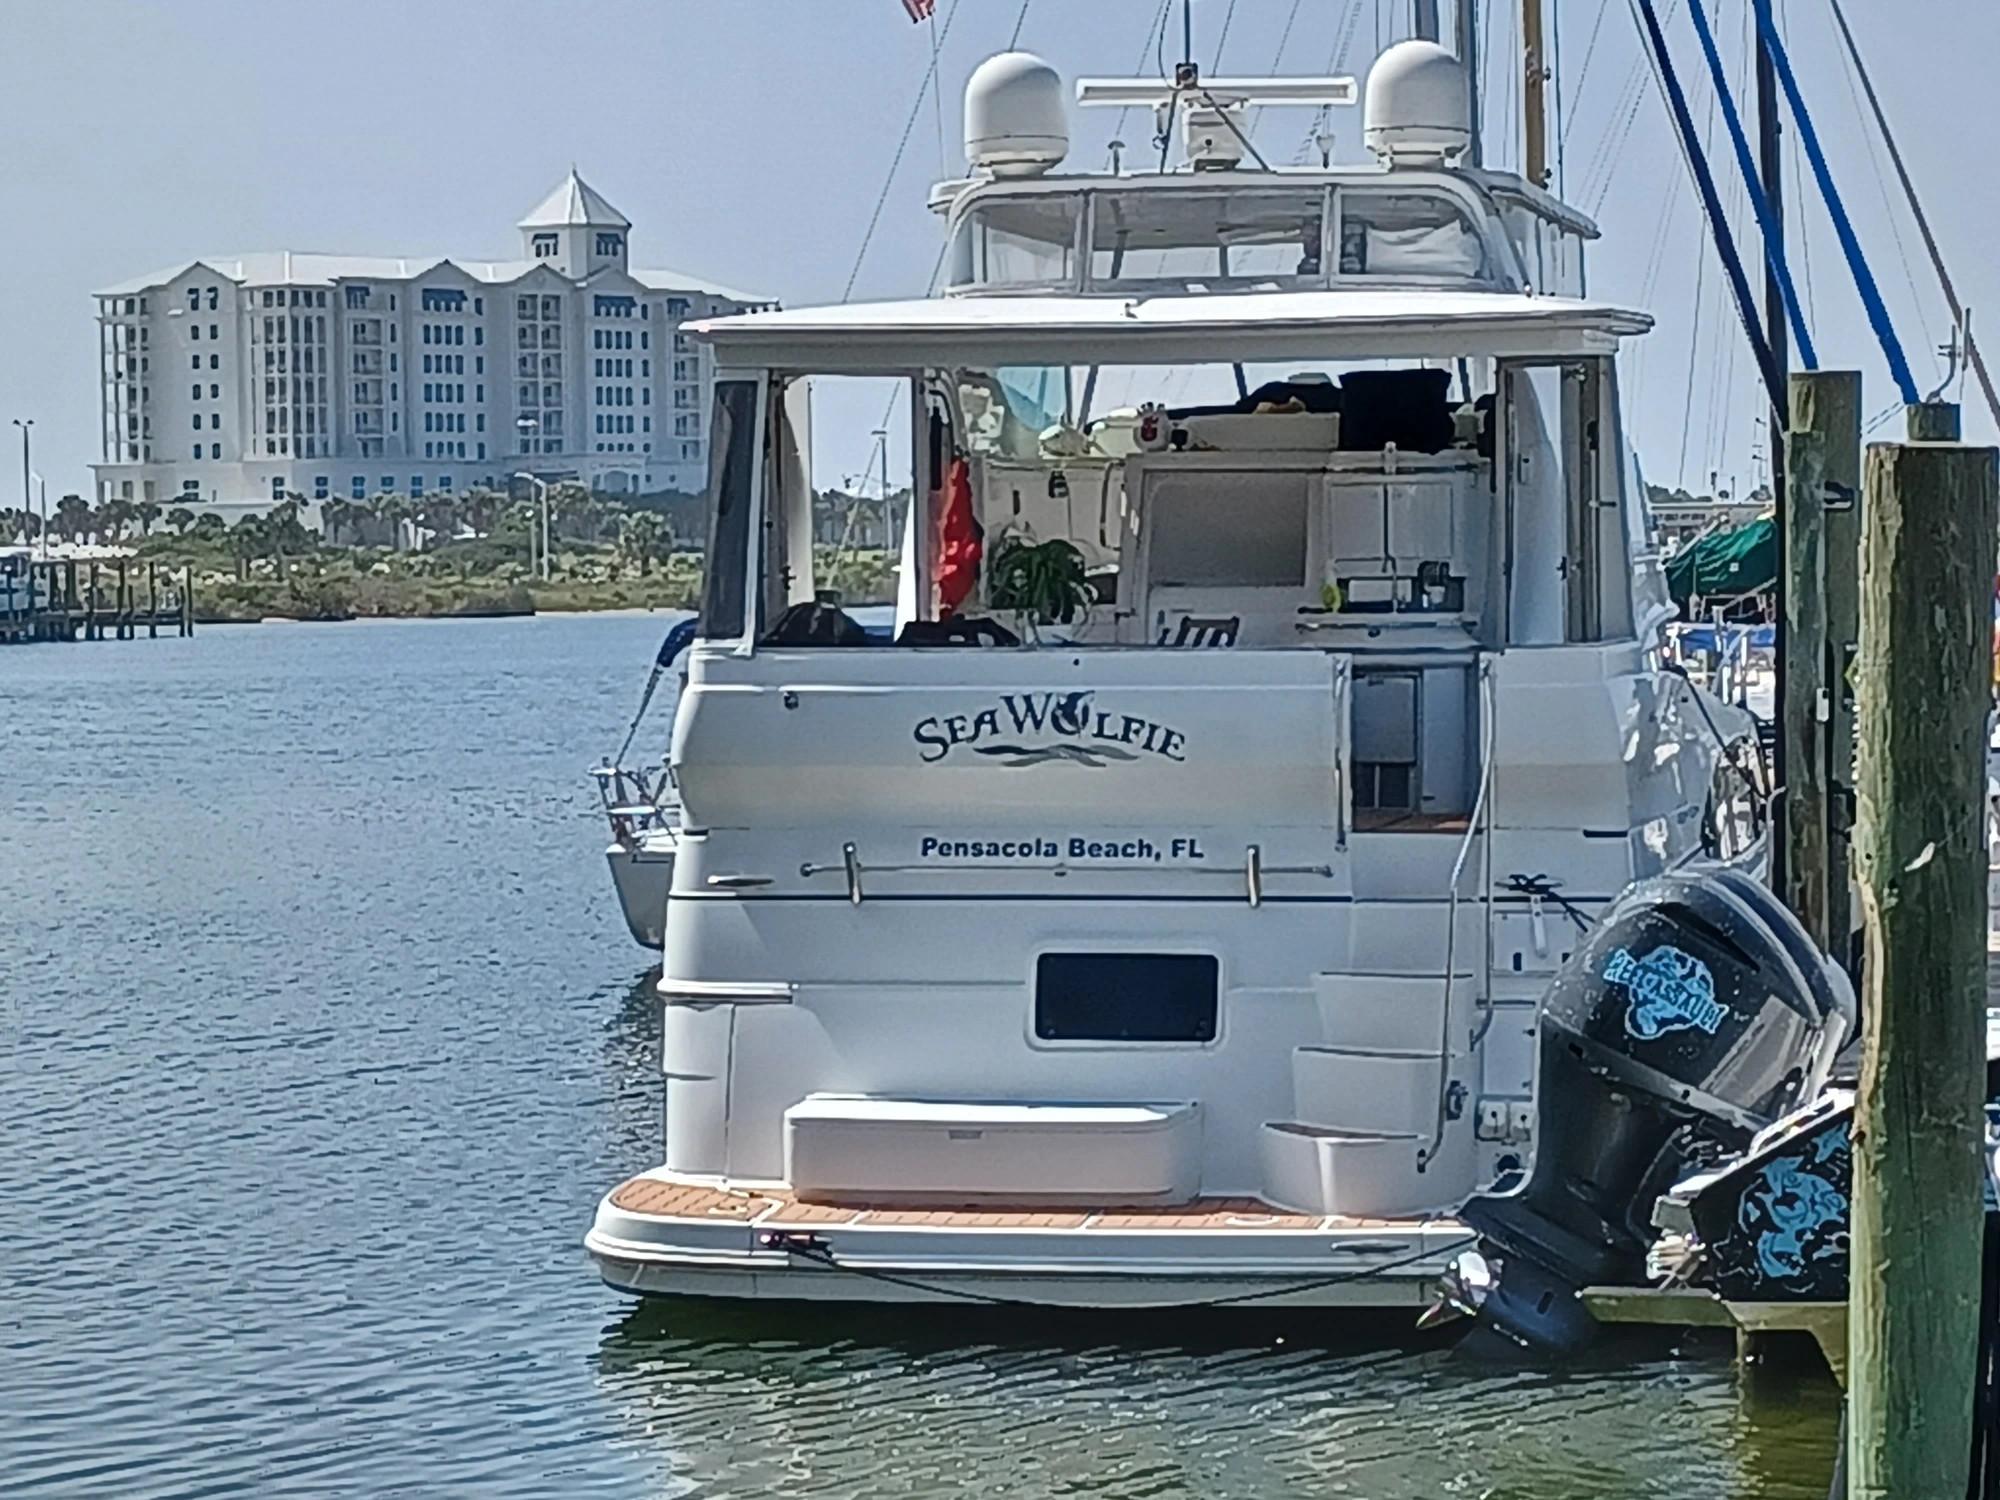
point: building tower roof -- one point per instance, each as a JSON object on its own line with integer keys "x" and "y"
{"x": 575, "y": 203}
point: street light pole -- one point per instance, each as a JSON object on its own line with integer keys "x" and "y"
{"x": 27, "y": 495}
{"x": 533, "y": 425}
{"x": 542, "y": 492}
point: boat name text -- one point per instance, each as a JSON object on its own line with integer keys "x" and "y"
{"x": 1033, "y": 729}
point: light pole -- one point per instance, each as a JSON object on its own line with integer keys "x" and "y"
{"x": 542, "y": 491}
{"x": 531, "y": 428}
{"x": 27, "y": 496}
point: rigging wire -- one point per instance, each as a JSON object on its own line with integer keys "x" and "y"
{"x": 1958, "y": 313}
{"x": 1583, "y": 73}
{"x": 1159, "y": 28}
{"x": 896, "y": 161}
{"x": 1849, "y": 60}
{"x": 1228, "y": 20}
{"x": 937, "y": 98}
{"x": 1562, "y": 113}
{"x": 1343, "y": 42}
{"x": 1020, "y": 20}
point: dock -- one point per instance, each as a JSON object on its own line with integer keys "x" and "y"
{"x": 73, "y": 599}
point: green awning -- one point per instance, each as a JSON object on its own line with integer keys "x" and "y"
{"x": 1726, "y": 564}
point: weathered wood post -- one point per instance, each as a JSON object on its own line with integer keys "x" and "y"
{"x": 1808, "y": 827}
{"x": 1929, "y": 529}
{"x": 152, "y": 601}
{"x": 1836, "y": 414}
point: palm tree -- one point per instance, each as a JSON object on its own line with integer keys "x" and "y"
{"x": 645, "y": 537}
{"x": 392, "y": 511}
{"x": 113, "y": 517}
{"x": 440, "y": 514}
{"x": 333, "y": 515}
{"x": 180, "y": 518}
{"x": 482, "y": 510}
{"x": 146, "y": 513}
{"x": 246, "y": 541}
{"x": 72, "y": 520}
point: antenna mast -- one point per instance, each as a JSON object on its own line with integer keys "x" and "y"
{"x": 1534, "y": 95}
{"x": 1424, "y": 20}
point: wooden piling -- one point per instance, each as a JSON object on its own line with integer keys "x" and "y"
{"x": 1808, "y": 829}
{"x": 1830, "y": 403}
{"x": 1929, "y": 522}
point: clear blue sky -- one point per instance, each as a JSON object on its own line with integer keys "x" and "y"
{"x": 748, "y": 142}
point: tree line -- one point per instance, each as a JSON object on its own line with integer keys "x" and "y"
{"x": 389, "y": 521}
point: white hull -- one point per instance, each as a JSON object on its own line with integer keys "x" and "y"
{"x": 1080, "y": 1259}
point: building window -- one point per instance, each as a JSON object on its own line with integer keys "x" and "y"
{"x": 197, "y": 393}
{"x": 194, "y": 330}
{"x": 358, "y": 486}
{"x": 320, "y": 489}
{"x": 544, "y": 246}
{"x": 609, "y": 244}
{"x": 416, "y": 485}
{"x": 444, "y": 482}
{"x": 277, "y": 486}
{"x": 215, "y": 393}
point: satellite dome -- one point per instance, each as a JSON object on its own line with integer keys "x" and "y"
{"x": 1418, "y": 110}
{"x": 1016, "y": 118}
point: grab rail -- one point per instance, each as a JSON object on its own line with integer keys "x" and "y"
{"x": 1252, "y": 871}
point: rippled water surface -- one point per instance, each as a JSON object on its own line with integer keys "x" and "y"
{"x": 319, "y": 1037}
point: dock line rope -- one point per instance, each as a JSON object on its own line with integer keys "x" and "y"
{"x": 811, "y": 1247}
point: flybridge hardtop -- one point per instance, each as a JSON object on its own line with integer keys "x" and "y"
{"x": 1160, "y": 909}
{"x": 1371, "y": 324}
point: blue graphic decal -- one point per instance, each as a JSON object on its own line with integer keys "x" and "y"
{"x": 1798, "y": 1216}
{"x": 1670, "y": 990}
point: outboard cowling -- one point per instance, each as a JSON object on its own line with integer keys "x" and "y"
{"x": 1694, "y": 1014}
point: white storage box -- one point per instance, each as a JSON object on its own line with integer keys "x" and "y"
{"x": 843, "y": 1148}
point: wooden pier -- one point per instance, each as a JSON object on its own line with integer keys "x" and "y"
{"x": 71, "y": 599}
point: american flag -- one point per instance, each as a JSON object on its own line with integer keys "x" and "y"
{"x": 920, "y": 10}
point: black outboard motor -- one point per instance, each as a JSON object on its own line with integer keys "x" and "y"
{"x": 1696, "y": 1012}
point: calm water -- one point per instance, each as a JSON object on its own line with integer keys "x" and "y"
{"x": 319, "y": 1037}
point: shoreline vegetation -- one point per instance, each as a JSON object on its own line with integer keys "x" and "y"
{"x": 469, "y": 555}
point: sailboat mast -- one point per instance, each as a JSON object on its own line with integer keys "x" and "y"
{"x": 1468, "y": 54}
{"x": 1424, "y": 20}
{"x": 1534, "y": 95}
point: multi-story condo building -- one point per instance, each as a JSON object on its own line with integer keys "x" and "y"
{"x": 240, "y": 379}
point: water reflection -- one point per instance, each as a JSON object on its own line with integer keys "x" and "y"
{"x": 737, "y": 1399}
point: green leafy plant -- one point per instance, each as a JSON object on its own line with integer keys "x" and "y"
{"x": 1047, "y": 582}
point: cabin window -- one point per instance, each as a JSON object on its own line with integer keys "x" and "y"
{"x": 732, "y": 496}
{"x": 1405, "y": 234}
{"x": 1198, "y": 239}
{"x": 1127, "y": 997}
{"x": 1241, "y": 530}
{"x": 1019, "y": 242}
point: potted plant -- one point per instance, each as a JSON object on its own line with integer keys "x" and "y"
{"x": 1044, "y": 585}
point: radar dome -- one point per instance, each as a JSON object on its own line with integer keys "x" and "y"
{"x": 1418, "y": 110}
{"x": 1016, "y": 118}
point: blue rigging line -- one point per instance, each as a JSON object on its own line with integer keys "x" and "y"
{"x": 1857, "y": 262}
{"x": 1718, "y": 221}
{"x": 1774, "y": 240}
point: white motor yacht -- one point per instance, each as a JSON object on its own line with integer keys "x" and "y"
{"x": 1182, "y": 942}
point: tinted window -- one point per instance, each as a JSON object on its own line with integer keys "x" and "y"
{"x": 1126, "y": 997}
{"x": 733, "y": 449}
